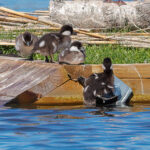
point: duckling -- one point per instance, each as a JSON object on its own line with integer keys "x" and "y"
{"x": 73, "y": 55}
{"x": 99, "y": 87}
{"x": 51, "y": 43}
{"x": 25, "y": 43}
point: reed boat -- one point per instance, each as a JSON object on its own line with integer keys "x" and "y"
{"x": 45, "y": 84}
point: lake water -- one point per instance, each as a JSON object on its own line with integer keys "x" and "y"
{"x": 70, "y": 128}
{"x": 25, "y": 5}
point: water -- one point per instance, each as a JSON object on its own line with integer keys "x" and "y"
{"x": 25, "y": 5}
{"x": 75, "y": 128}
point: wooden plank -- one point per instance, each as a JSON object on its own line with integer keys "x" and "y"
{"x": 48, "y": 84}
{"x": 34, "y": 78}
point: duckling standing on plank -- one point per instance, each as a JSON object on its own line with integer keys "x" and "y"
{"x": 25, "y": 43}
{"x": 51, "y": 43}
{"x": 73, "y": 55}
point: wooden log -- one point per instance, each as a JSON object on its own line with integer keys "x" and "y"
{"x": 93, "y": 35}
{"x": 99, "y": 14}
{"x": 18, "y": 20}
{"x": 37, "y": 14}
{"x": 129, "y": 39}
{"x": 100, "y": 42}
{"x": 35, "y": 27}
{"x": 41, "y": 11}
{"x": 7, "y": 14}
{"x": 18, "y": 13}
{"x": 136, "y": 45}
{"x": 15, "y": 24}
{"x": 132, "y": 34}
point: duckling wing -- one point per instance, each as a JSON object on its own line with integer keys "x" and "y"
{"x": 46, "y": 44}
{"x": 73, "y": 58}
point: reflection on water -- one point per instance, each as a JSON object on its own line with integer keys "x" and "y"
{"x": 75, "y": 127}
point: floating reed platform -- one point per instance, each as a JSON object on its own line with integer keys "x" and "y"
{"x": 40, "y": 83}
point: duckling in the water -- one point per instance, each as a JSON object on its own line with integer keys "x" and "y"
{"x": 75, "y": 54}
{"x": 51, "y": 43}
{"x": 99, "y": 87}
{"x": 25, "y": 43}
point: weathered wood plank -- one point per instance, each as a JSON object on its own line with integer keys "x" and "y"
{"x": 22, "y": 76}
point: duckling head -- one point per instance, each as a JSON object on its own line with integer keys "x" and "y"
{"x": 27, "y": 38}
{"x": 107, "y": 64}
{"x": 78, "y": 47}
{"x": 66, "y": 30}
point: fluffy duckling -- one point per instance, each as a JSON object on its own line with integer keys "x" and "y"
{"x": 73, "y": 55}
{"x": 25, "y": 43}
{"x": 99, "y": 87}
{"x": 51, "y": 43}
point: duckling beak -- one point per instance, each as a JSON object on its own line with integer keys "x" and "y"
{"x": 28, "y": 43}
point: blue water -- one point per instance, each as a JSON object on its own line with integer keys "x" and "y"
{"x": 25, "y": 5}
{"x": 124, "y": 128}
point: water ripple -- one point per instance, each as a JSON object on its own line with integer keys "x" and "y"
{"x": 75, "y": 128}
